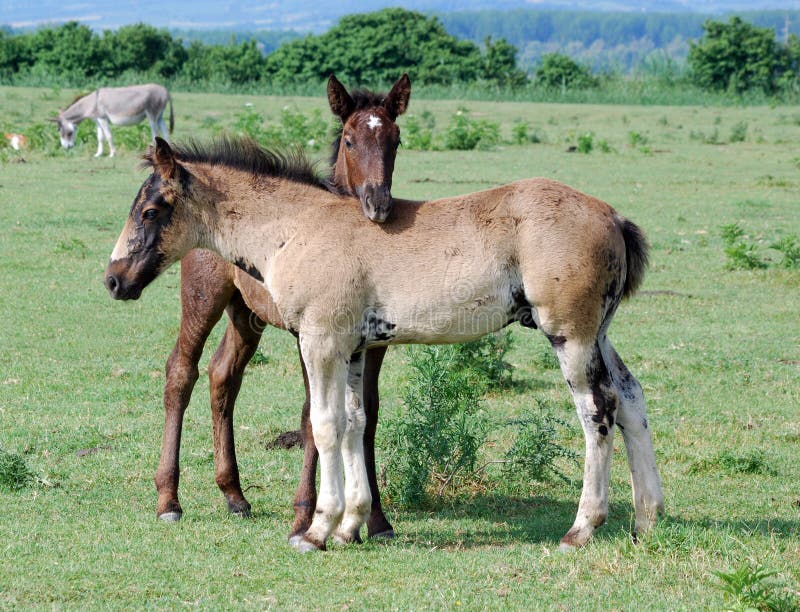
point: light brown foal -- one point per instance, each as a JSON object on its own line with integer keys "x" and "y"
{"x": 535, "y": 252}
{"x": 362, "y": 164}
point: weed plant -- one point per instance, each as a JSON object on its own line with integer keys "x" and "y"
{"x": 14, "y": 472}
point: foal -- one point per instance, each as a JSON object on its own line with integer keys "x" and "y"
{"x": 362, "y": 164}
{"x": 535, "y": 252}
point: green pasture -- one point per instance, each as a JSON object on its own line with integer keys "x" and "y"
{"x": 716, "y": 350}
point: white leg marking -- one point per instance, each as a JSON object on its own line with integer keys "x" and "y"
{"x": 357, "y": 494}
{"x": 648, "y": 499}
{"x": 575, "y": 359}
{"x": 326, "y": 379}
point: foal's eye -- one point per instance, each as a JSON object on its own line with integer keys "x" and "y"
{"x": 150, "y": 214}
{"x": 348, "y": 144}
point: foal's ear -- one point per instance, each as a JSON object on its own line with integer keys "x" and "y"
{"x": 164, "y": 159}
{"x": 397, "y": 99}
{"x": 341, "y": 102}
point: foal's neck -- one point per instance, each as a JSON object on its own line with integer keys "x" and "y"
{"x": 247, "y": 218}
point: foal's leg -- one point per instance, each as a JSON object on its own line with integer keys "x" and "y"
{"x": 225, "y": 371}
{"x": 106, "y": 129}
{"x": 327, "y": 373}
{"x": 377, "y": 526}
{"x": 596, "y": 400}
{"x": 305, "y": 498}
{"x": 648, "y": 500}
{"x": 205, "y": 291}
{"x": 356, "y": 482}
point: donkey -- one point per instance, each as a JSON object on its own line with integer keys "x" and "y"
{"x": 120, "y": 106}
{"x": 362, "y": 163}
{"x": 535, "y": 251}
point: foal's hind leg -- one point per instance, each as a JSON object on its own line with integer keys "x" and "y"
{"x": 648, "y": 500}
{"x": 596, "y": 401}
{"x": 205, "y": 291}
{"x": 225, "y": 372}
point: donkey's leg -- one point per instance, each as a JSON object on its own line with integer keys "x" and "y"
{"x": 305, "y": 498}
{"x": 204, "y": 294}
{"x": 327, "y": 373}
{"x": 99, "y": 139}
{"x": 648, "y": 500}
{"x": 377, "y": 526}
{"x": 225, "y": 372}
{"x": 356, "y": 482}
{"x": 153, "y": 121}
{"x": 162, "y": 127}
{"x": 103, "y": 123}
{"x": 596, "y": 400}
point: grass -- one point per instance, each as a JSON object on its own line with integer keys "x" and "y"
{"x": 717, "y": 352}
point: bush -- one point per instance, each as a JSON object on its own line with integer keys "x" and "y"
{"x": 738, "y": 132}
{"x": 435, "y": 443}
{"x": 561, "y": 72}
{"x": 417, "y": 133}
{"x": 789, "y": 249}
{"x": 535, "y": 451}
{"x": 585, "y": 143}
{"x": 465, "y": 134}
{"x": 14, "y": 473}
{"x": 294, "y": 129}
{"x": 741, "y": 255}
{"x": 484, "y": 360}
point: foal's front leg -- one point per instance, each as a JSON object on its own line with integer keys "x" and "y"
{"x": 356, "y": 483}
{"x": 327, "y": 373}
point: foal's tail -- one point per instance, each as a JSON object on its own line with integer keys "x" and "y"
{"x": 636, "y": 253}
{"x": 171, "y": 115}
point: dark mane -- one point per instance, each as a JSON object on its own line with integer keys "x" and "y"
{"x": 364, "y": 98}
{"x": 243, "y": 153}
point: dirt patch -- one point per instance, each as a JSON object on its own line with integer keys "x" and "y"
{"x": 287, "y": 440}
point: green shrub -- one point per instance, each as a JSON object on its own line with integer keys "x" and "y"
{"x": 484, "y": 359}
{"x": 749, "y": 588}
{"x": 635, "y": 139}
{"x": 558, "y": 71}
{"x": 294, "y": 128}
{"x": 417, "y": 133}
{"x": 14, "y": 472}
{"x": 738, "y": 132}
{"x": 741, "y": 255}
{"x": 789, "y": 249}
{"x": 585, "y": 142}
{"x": 434, "y": 444}
{"x": 465, "y": 134}
{"x": 535, "y": 452}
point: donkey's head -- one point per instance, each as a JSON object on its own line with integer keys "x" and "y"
{"x": 152, "y": 238}
{"x": 363, "y": 157}
{"x": 66, "y": 130}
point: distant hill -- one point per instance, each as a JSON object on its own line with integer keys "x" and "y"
{"x": 316, "y": 15}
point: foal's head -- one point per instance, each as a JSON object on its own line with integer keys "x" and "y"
{"x": 364, "y": 154}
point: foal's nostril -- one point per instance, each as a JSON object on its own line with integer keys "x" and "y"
{"x": 112, "y": 284}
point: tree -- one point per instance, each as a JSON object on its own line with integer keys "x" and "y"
{"x": 735, "y": 56}
{"x": 500, "y": 63}
{"x": 560, "y": 71}
{"x": 374, "y": 48}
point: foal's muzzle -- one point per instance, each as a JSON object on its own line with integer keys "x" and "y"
{"x": 376, "y": 201}
{"x": 120, "y": 289}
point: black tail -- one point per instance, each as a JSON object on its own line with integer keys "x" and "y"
{"x": 636, "y": 252}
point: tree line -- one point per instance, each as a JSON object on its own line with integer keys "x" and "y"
{"x": 372, "y": 49}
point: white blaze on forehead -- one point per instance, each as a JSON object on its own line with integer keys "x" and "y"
{"x": 374, "y": 122}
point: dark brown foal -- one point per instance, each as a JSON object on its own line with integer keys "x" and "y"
{"x": 362, "y": 165}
